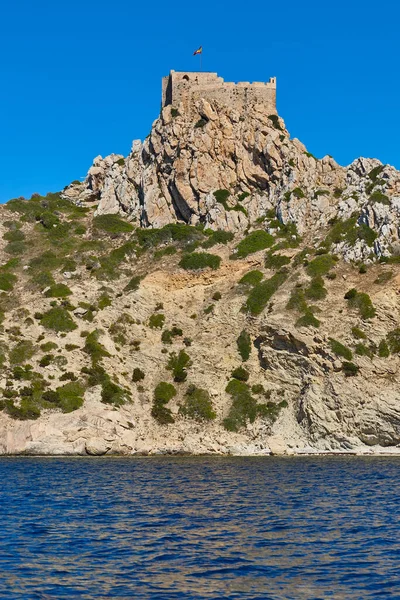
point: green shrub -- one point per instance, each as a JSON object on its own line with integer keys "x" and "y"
{"x": 93, "y": 348}
{"x": 137, "y": 375}
{"x": 168, "y": 335}
{"x": 46, "y": 360}
{"x": 320, "y": 265}
{"x": 358, "y": 333}
{"x": 245, "y": 408}
{"x": 316, "y": 289}
{"x": 197, "y": 405}
{"x": 221, "y": 196}
{"x": 174, "y": 232}
{"x": 240, "y": 373}
{"x": 383, "y": 349}
{"x": 27, "y": 410}
{"x": 261, "y": 293}
{"x": 157, "y": 321}
{"x": 178, "y": 364}
{"x": 104, "y": 301}
{"x": 70, "y": 396}
{"x": 15, "y": 248}
{"x": 276, "y": 261}
{"x": 14, "y": 235}
{"x": 112, "y": 393}
{"x": 254, "y": 242}
{"x": 174, "y": 113}
{"x": 244, "y": 345}
{"x": 200, "y": 260}
{"x": 378, "y": 196}
{"x": 58, "y": 290}
{"x": 375, "y": 172}
{"x": 297, "y": 300}
{"x": 7, "y": 281}
{"x": 43, "y": 279}
{"x": 47, "y": 261}
{"x": 350, "y": 369}
{"x": 362, "y": 302}
{"x": 275, "y": 121}
{"x": 251, "y": 278}
{"x": 363, "y": 350}
{"x": 217, "y": 237}
{"x": 209, "y": 309}
{"x": 58, "y": 319}
{"x": 383, "y": 277}
{"x": 69, "y": 376}
{"x": 200, "y": 123}
{"x": 308, "y": 320}
{"x": 112, "y": 224}
{"x": 133, "y": 284}
{"x": 393, "y": 341}
{"x": 362, "y": 269}
{"x": 298, "y": 193}
{"x": 243, "y": 196}
{"x": 22, "y": 352}
{"x": 340, "y": 349}
{"x": 163, "y": 393}
{"x": 168, "y": 251}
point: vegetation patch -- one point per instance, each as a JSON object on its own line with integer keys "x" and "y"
{"x": 217, "y": 237}
{"x": 316, "y": 289}
{"x": 362, "y": 302}
{"x": 321, "y": 265}
{"x": 244, "y": 345}
{"x": 358, "y": 333}
{"x": 254, "y": 242}
{"x": 197, "y": 405}
{"x": 163, "y": 393}
{"x": 58, "y": 319}
{"x": 241, "y": 374}
{"x": 245, "y": 408}
{"x": 276, "y": 261}
{"x": 261, "y": 293}
{"x": 137, "y": 375}
{"x": 22, "y": 352}
{"x": 252, "y": 278}
{"x": 134, "y": 283}
{"x": 383, "y": 277}
{"x": 340, "y": 349}
{"x": 112, "y": 224}
{"x": 157, "y": 320}
{"x": 378, "y": 196}
{"x": 350, "y": 369}
{"x": 7, "y": 281}
{"x": 196, "y": 261}
{"x": 308, "y": 320}
{"x": 178, "y": 364}
{"x": 393, "y": 341}
{"x": 58, "y": 290}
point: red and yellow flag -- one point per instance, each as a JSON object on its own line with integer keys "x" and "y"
{"x": 198, "y": 51}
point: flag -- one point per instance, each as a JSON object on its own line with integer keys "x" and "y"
{"x": 198, "y": 51}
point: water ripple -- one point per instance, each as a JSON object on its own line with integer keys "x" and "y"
{"x": 200, "y": 528}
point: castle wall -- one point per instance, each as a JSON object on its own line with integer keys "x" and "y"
{"x": 187, "y": 87}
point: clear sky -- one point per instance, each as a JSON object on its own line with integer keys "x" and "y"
{"x": 83, "y": 77}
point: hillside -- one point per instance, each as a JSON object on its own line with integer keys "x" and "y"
{"x": 219, "y": 290}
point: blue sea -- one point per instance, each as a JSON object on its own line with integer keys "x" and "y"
{"x": 213, "y": 528}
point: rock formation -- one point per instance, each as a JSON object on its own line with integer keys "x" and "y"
{"x": 219, "y": 290}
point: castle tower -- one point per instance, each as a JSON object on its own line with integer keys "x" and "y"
{"x": 187, "y": 87}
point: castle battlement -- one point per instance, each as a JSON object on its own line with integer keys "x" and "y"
{"x": 189, "y": 86}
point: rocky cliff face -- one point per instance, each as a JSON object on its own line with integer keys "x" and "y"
{"x": 173, "y": 176}
{"x": 218, "y": 290}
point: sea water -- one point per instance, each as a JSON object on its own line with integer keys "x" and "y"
{"x": 168, "y": 528}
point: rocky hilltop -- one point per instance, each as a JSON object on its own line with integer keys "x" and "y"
{"x": 219, "y": 290}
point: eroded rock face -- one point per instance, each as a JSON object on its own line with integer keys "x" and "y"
{"x": 173, "y": 175}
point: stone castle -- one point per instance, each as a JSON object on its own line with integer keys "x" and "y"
{"x": 187, "y": 87}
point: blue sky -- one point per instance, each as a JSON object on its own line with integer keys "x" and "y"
{"x": 83, "y": 78}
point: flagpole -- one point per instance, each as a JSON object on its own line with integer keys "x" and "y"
{"x": 201, "y": 60}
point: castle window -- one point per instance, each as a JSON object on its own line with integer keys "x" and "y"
{"x": 185, "y": 77}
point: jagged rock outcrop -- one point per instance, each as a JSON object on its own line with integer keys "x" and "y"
{"x": 173, "y": 175}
